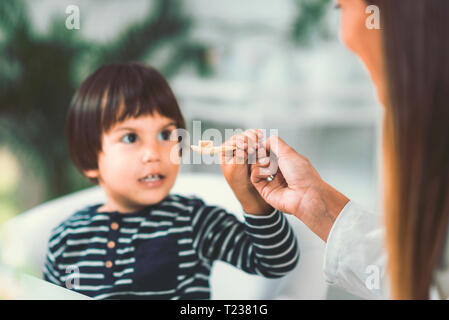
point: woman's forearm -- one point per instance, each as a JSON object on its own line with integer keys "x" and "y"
{"x": 335, "y": 201}
{"x": 320, "y": 207}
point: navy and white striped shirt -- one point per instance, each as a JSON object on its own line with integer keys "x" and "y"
{"x": 164, "y": 251}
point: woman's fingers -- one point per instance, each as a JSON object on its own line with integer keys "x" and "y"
{"x": 252, "y": 138}
{"x": 261, "y": 173}
{"x": 276, "y": 145}
{"x": 269, "y": 167}
{"x": 263, "y": 158}
{"x": 263, "y": 162}
{"x": 266, "y": 166}
{"x": 245, "y": 143}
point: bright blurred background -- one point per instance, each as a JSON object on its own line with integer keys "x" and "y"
{"x": 232, "y": 64}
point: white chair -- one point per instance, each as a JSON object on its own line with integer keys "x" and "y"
{"x": 25, "y": 240}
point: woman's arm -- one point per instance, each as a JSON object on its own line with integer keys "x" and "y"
{"x": 354, "y": 259}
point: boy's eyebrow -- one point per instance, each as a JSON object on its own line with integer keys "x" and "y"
{"x": 169, "y": 124}
{"x": 134, "y": 129}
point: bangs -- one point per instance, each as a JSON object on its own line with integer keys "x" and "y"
{"x": 133, "y": 91}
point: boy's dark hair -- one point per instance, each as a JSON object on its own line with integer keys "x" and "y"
{"x": 100, "y": 102}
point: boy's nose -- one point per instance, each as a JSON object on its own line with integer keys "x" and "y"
{"x": 151, "y": 155}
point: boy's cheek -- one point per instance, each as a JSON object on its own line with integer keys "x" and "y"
{"x": 118, "y": 155}
{"x": 174, "y": 170}
{"x": 173, "y": 155}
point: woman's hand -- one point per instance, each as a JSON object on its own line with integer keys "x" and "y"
{"x": 236, "y": 170}
{"x": 297, "y": 188}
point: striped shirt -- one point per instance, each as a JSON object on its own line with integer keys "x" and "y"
{"x": 164, "y": 251}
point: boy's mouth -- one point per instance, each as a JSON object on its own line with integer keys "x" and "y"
{"x": 151, "y": 178}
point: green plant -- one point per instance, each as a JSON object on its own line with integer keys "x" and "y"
{"x": 308, "y": 20}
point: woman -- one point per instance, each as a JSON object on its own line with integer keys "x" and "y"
{"x": 408, "y": 61}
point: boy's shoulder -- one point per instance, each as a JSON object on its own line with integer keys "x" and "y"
{"x": 85, "y": 214}
{"x": 188, "y": 203}
{"x": 183, "y": 202}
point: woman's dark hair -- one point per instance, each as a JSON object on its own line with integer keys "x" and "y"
{"x": 110, "y": 95}
{"x": 416, "y": 141}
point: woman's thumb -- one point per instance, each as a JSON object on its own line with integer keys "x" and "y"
{"x": 276, "y": 145}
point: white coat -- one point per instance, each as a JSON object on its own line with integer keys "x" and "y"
{"x": 355, "y": 256}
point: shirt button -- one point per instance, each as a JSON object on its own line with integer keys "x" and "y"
{"x": 111, "y": 244}
{"x": 108, "y": 264}
{"x": 114, "y": 226}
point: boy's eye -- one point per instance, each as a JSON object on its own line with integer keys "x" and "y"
{"x": 129, "y": 138}
{"x": 166, "y": 135}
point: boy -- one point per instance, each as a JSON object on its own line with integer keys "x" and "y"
{"x": 145, "y": 243}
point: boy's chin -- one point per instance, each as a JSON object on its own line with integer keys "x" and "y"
{"x": 153, "y": 198}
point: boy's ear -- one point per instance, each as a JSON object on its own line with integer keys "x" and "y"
{"x": 92, "y": 174}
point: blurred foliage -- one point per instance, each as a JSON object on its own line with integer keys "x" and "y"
{"x": 40, "y": 73}
{"x": 308, "y": 21}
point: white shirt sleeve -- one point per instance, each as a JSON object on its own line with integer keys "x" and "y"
{"x": 355, "y": 259}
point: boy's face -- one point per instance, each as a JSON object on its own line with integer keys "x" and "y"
{"x": 136, "y": 167}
